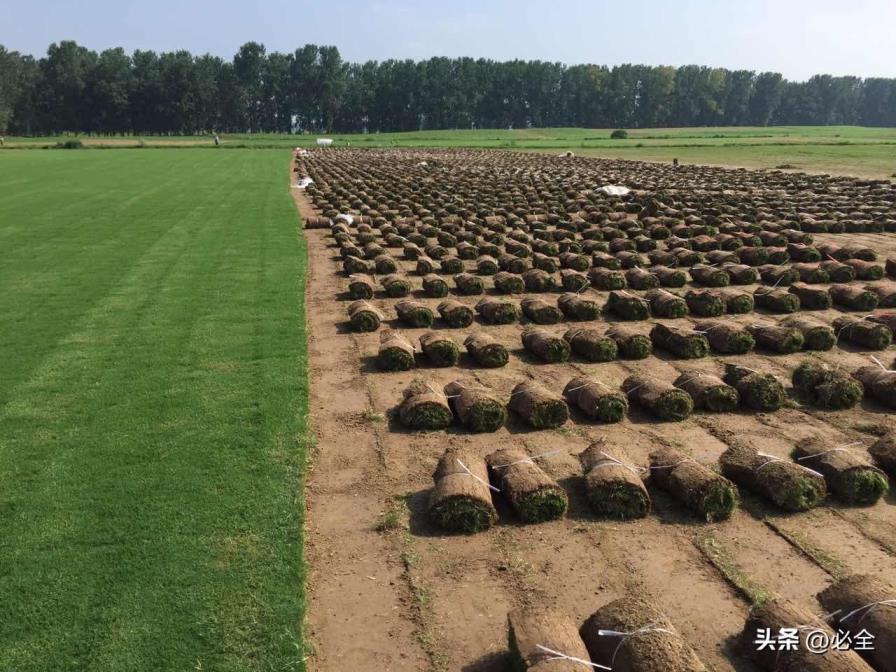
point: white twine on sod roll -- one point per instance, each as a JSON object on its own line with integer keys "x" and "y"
{"x": 838, "y": 449}
{"x": 868, "y": 608}
{"x": 651, "y": 627}
{"x": 558, "y": 655}
{"x": 635, "y": 469}
{"x": 527, "y": 459}
{"x": 590, "y": 380}
{"x": 690, "y": 380}
{"x": 775, "y": 458}
{"x": 851, "y": 324}
{"x": 881, "y": 364}
{"x": 677, "y": 464}
{"x": 470, "y": 473}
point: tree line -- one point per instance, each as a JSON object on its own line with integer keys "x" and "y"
{"x": 74, "y": 89}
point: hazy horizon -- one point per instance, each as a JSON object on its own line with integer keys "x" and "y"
{"x": 798, "y": 40}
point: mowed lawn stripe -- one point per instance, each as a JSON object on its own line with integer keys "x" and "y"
{"x": 150, "y": 464}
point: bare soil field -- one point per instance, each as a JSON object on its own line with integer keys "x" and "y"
{"x": 389, "y": 589}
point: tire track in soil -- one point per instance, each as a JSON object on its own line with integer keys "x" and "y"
{"x": 579, "y": 563}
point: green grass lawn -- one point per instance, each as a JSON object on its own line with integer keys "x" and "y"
{"x": 153, "y": 394}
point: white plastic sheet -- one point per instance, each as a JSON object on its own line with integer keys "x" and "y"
{"x": 304, "y": 182}
{"x": 613, "y": 190}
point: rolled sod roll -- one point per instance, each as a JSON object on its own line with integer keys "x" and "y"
{"x": 777, "y": 337}
{"x": 699, "y": 488}
{"x": 709, "y": 392}
{"x": 884, "y": 453}
{"x": 576, "y": 307}
{"x": 850, "y": 478}
{"x": 614, "y": 486}
{"x": 811, "y": 298}
{"x": 508, "y": 283}
{"x": 485, "y": 350}
{"x": 868, "y": 334}
{"x": 837, "y": 271}
{"x": 469, "y": 284}
{"x": 854, "y": 298}
{"x": 752, "y": 256}
{"x": 705, "y": 302}
{"x": 878, "y": 383}
{"x": 891, "y": 267}
{"x": 545, "y": 345}
{"x": 864, "y": 602}
{"x": 363, "y": 316}
{"x": 537, "y": 280}
{"x": 638, "y": 278}
{"x": 628, "y": 259}
{"x": 425, "y": 265}
{"x": 573, "y": 281}
{"x": 686, "y": 257}
{"x": 741, "y": 274}
{"x": 655, "y": 646}
{"x": 486, "y": 265}
{"x": 539, "y": 407}
{"x": 540, "y": 311}
{"x": 424, "y": 407}
{"x": 803, "y": 253}
{"x": 396, "y": 353}
{"x": 461, "y": 500}
{"x": 477, "y": 407}
{"x": 453, "y": 266}
{"x": 817, "y": 335}
{"x": 385, "y": 264}
{"x": 738, "y": 302}
{"x": 360, "y": 287}
{"x": 666, "y": 304}
{"x": 440, "y": 349}
{"x": 779, "y": 613}
{"x": 670, "y": 277}
{"x": 791, "y": 486}
{"x": 604, "y": 260}
{"x": 534, "y": 496}
{"x": 412, "y": 252}
{"x": 727, "y": 338}
{"x": 435, "y": 251}
{"x": 887, "y": 319}
{"x": 538, "y": 634}
{"x": 595, "y": 399}
{"x": 606, "y": 279}
{"x": 577, "y": 262}
{"x": 627, "y": 306}
{"x": 591, "y": 345}
{"x": 455, "y": 314}
{"x": 812, "y": 274}
{"x": 497, "y": 311}
{"x": 354, "y": 265}
{"x": 663, "y": 400}
{"x": 710, "y": 276}
{"x": 434, "y": 286}
{"x": 779, "y": 276}
{"x": 759, "y": 391}
{"x": 823, "y": 386}
{"x": 414, "y": 313}
{"x": 631, "y": 344}
{"x": 396, "y": 286}
{"x": 776, "y": 300}
{"x": 684, "y": 343}
{"x": 545, "y": 263}
{"x": 865, "y": 270}
{"x": 886, "y": 294}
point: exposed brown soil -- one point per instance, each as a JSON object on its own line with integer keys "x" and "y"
{"x": 407, "y": 597}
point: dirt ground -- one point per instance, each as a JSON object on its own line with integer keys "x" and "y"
{"x": 387, "y": 591}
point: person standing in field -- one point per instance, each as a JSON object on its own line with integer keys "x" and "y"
{"x": 217, "y": 140}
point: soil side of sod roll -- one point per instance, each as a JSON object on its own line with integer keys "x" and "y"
{"x": 703, "y": 491}
{"x": 460, "y": 501}
{"x": 853, "y": 298}
{"x": 865, "y": 333}
{"x": 631, "y": 344}
{"x": 789, "y": 485}
{"x": 613, "y": 485}
{"x": 709, "y": 392}
{"x": 424, "y": 407}
{"x": 684, "y": 343}
{"x": 540, "y": 311}
{"x": 537, "y": 406}
{"x": 591, "y": 345}
{"x": 884, "y": 453}
{"x": 878, "y": 383}
{"x": 776, "y": 300}
{"x": 531, "y": 630}
{"x": 856, "y": 602}
{"x": 455, "y": 314}
{"x": 627, "y": 306}
{"x": 850, "y": 478}
{"x": 661, "y": 399}
{"x": 727, "y": 338}
{"x": 759, "y": 391}
{"x": 440, "y": 349}
{"x": 545, "y": 345}
{"x": 596, "y": 400}
{"x": 396, "y": 353}
{"x": 817, "y": 335}
{"x": 476, "y": 407}
{"x": 778, "y": 613}
{"x": 811, "y": 298}
{"x": 534, "y": 496}
{"x": 825, "y": 387}
{"x": 657, "y": 646}
{"x": 777, "y": 337}
{"x": 486, "y": 351}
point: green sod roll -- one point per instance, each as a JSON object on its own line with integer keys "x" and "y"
{"x": 606, "y": 279}
{"x": 789, "y": 485}
{"x": 738, "y": 302}
{"x": 850, "y": 478}
{"x": 360, "y": 287}
{"x": 469, "y": 284}
{"x": 752, "y": 256}
{"x": 596, "y": 400}
{"x": 455, "y": 314}
{"x": 453, "y": 266}
{"x": 664, "y": 303}
{"x": 573, "y": 281}
{"x": 535, "y": 630}
{"x": 536, "y": 280}
{"x": 396, "y": 286}
{"x": 591, "y": 345}
{"x": 497, "y": 311}
{"x": 424, "y": 407}
{"x": 434, "y": 286}
{"x": 709, "y": 392}
{"x": 631, "y": 344}
{"x": 823, "y": 386}
{"x": 485, "y": 350}
{"x": 613, "y": 485}
{"x": 812, "y": 274}
{"x": 865, "y": 270}
{"x": 534, "y": 496}
{"x": 710, "y": 276}
{"x": 508, "y": 283}
{"x": 759, "y": 391}
{"x": 684, "y": 343}
{"x": 778, "y": 276}
{"x": 540, "y": 311}
{"x": 663, "y": 400}
{"x": 884, "y": 453}
{"x": 817, "y": 335}
{"x": 545, "y": 263}
{"x": 627, "y": 306}
{"x": 740, "y": 274}
{"x": 838, "y": 272}
{"x": 364, "y": 316}
{"x": 486, "y": 265}
{"x": 414, "y": 313}
{"x": 670, "y": 277}
{"x": 886, "y": 294}
{"x": 727, "y": 338}
{"x": 878, "y": 383}
{"x": 577, "y": 307}
{"x": 776, "y": 300}
{"x": 705, "y": 302}
{"x": 476, "y": 407}
{"x": 708, "y": 494}
{"x": 385, "y": 264}
{"x": 777, "y": 337}
{"x": 859, "y": 331}
{"x": 638, "y": 278}
{"x": 854, "y": 298}
{"x": 604, "y": 260}
{"x": 461, "y": 500}
{"x": 537, "y": 406}
{"x": 811, "y": 298}
{"x": 440, "y": 349}
{"x": 425, "y": 265}
{"x": 396, "y": 353}
{"x": 544, "y": 345}
{"x": 888, "y": 319}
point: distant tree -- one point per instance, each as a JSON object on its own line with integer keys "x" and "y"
{"x": 765, "y": 99}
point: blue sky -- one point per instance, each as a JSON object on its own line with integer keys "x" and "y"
{"x": 798, "y": 38}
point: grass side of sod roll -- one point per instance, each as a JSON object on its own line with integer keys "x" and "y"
{"x": 152, "y": 411}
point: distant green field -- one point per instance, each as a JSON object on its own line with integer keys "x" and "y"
{"x": 848, "y": 150}
{"x": 152, "y": 411}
